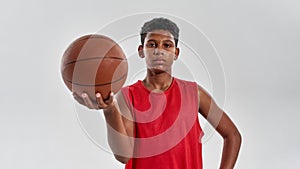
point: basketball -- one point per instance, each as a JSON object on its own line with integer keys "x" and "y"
{"x": 94, "y": 63}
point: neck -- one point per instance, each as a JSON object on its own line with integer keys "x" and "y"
{"x": 157, "y": 82}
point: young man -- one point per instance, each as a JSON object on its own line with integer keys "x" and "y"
{"x": 153, "y": 123}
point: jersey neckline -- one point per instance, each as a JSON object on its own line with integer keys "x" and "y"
{"x": 163, "y": 92}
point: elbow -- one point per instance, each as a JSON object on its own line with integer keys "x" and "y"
{"x": 235, "y": 137}
{"x": 122, "y": 159}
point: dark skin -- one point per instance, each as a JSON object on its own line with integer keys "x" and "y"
{"x": 159, "y": 52}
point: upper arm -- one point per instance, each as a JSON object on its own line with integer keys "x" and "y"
{"x": 208, "y": 107}
{"x": 214, "y": 114}
{"x": 125, "y": 110}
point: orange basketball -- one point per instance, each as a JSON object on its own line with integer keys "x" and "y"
{"x": 94, "y": 63}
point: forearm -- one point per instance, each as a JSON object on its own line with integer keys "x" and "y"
{"x": 231, "y": 147}
{"x": 118, "y": 138}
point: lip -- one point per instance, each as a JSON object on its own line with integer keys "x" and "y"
{"x": 159, "y": 61}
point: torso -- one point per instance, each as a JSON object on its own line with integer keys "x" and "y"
{"x": 166, "y": 126}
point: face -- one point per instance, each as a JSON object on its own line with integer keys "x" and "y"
{"x": 159, "y": 51}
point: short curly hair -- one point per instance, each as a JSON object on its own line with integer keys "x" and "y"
{"x": 159, "y": 24}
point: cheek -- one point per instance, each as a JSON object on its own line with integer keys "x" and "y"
{"x": 171, "y": 61}
{"x": 170, "y": 53}
{"x": 148, "y": 60}
{"x": 148, "y": 51}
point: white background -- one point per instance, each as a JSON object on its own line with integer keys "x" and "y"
{"x": 258, "y": 42}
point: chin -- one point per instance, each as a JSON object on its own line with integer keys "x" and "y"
{"x": 157, "y": 70}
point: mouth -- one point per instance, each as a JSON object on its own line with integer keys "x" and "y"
{"x": 159, "y": 61}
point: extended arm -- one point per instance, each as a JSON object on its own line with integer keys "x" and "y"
{"x": 118, "y": 121}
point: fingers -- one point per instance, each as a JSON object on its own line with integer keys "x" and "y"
{"x": 78, "y": 98}
{"x": 110, "y": 99}
{"x": 85, "y": 100}
{"x": 104, "y": 104}
{"x": 99, "y": 100}
{"x": 88, "y": 101}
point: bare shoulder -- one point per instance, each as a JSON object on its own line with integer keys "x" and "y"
{"x": 203, "y": 93}
{"x": 207, "y": 106}
{"x": 204, "y": 98}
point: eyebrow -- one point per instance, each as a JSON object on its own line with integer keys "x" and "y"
{"x": 167, "y": 40}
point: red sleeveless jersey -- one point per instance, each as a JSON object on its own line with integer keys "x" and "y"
{"x": 167, "y": 132}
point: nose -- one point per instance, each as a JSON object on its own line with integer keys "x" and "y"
{"x": 158, "y": 51}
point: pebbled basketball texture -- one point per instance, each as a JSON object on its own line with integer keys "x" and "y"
{"x": 94, "y": 63}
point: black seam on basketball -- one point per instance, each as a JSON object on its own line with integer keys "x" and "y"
{"x": 102, "y": 84}
{"x": 98, "y": 57}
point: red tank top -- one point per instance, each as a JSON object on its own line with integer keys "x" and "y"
{"x": 166, "y": 129}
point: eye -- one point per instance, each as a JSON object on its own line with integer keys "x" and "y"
{"x": 167, "y": 45}
{"x": 151, "y": 44}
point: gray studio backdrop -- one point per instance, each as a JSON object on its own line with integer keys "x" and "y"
{"x": 257, "y": 43}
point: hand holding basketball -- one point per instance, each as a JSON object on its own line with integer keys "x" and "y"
{"x": 85, "y": 100}
{"x": 94, "y": 64}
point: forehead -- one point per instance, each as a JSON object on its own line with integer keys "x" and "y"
{"x": 159, "y": 34}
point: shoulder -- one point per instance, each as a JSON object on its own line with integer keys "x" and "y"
{"x": 202, "y": 92}
{"x": 185, "y": 83}
{"x": 136, "y": 84}
{"x": 190, "y": 88}
{"x": 132, "y": 87}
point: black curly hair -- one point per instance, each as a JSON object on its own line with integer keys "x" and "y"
{"x": 157, "y": 24}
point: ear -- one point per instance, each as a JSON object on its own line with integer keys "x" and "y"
{"x": 176, "y": 53}
{"x": 141, "y": 52}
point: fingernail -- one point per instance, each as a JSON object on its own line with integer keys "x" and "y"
{"x": 83, "y": 95}
{"x": 98, "y": 95}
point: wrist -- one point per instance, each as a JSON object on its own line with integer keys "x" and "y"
{"x": 112, "y": 105}
{"x": 111, "y": 108}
